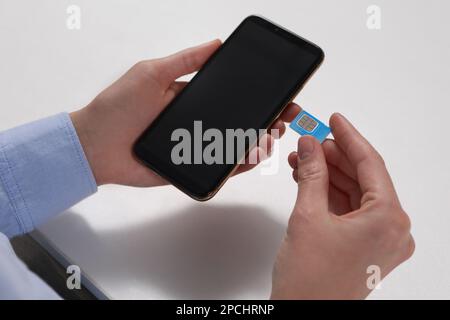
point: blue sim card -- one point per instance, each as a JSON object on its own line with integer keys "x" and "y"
{"x": 306, "y": 124}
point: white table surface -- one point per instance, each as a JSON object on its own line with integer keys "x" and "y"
{"x": 157, "y": 243}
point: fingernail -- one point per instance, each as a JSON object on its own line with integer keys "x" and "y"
{"x": 305, "y": 147}
{"x": 209, "y": 42}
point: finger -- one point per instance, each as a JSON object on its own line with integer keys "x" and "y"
{"x": 186, "y": 61}
{"x": 295, "y": 175}
{"x": 291, "y": 111}
{"x": 337, "y": 158}
{"x": 256, "y": 155}
{"x": 371, "y": 172}
{"x": 278, "y": 129}
{"x": 174, "y": 89}
{"x": 263, "y": 150}
{"x": 338, "y": 201}
{"x": 247, "y": 165}
{"x": 312, "y": 176}
{"x": 345, "y": 184}
{"x": 292, "y": 160}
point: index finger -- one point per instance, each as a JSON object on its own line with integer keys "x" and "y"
{"x": 291, "y": 111}
{"x": 371, "y": 171}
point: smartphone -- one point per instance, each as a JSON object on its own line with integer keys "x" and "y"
{"x": 243, "y": 86}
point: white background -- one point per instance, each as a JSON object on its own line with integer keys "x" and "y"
{"x": 157, "y": 243}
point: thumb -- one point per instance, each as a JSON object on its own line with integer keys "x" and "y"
{"x": 312, "y": 176}
{"x": 186, "y": 61}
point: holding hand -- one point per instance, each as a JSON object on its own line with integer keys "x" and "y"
{"x": 111, "y": 123}
{"x": 347, "y": 217}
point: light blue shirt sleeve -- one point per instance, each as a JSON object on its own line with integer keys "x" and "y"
{"x": 43, "y": 171}
{"x": 16, "y": 281}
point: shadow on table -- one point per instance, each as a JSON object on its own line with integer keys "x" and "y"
{"x": 204, "y": 251}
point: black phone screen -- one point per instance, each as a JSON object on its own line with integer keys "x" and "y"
{"x": 244, "y": 85}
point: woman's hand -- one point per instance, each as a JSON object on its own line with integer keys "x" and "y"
{"x": 347, "y": 217}
{"x": 111, "y": 123}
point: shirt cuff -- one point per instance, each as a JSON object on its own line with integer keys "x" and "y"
{"x": 43, "y": 171}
